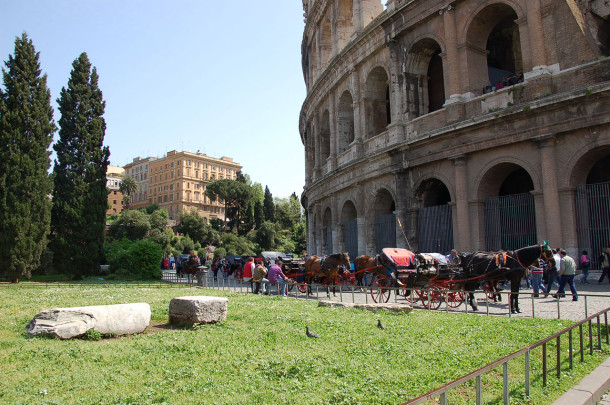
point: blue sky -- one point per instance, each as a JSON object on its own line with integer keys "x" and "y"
{"x": 223, "y": 77}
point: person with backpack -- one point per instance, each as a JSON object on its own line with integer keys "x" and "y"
{"x": 605, "y": 261}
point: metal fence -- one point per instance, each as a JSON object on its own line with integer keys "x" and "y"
{"x": 385, "y": 231}
{"x": 350, "y": 236}
{"x": 591, "y": 341}
{"x": 435, "y": 229}
{"x": 510, "y": 222}
{"x": 593, "y": 219}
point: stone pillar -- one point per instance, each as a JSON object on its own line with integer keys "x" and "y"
{"x": 334, "y": 138}
{"x": 536, "y": 33}
{"x": 453, "y": 64}
{"x": 334, "y": 38}
{"x": 358, "y": 17}
{"x": 358, "y": 111}
{"x": 461, "y": 234}
{"x": 550, "y": 190}
{"x": 316, "y": 140}
{"x": 361, "y": 236}
{"x": 569, "y": 225}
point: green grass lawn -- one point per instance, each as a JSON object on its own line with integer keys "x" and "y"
{"x": 260, "y": 354}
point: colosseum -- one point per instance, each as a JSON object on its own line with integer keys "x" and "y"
{"x": 467, "y": 124}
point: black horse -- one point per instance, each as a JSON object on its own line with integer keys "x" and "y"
{"x": 510, "y": 266}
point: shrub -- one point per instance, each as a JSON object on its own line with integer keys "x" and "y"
{"x": 137, "y": 260}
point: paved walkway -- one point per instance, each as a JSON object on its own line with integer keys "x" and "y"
{"x": 593, "y": 297}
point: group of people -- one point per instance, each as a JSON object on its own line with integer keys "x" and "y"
{"x": 506, "y": 81}
{"x": 561, "y": 271}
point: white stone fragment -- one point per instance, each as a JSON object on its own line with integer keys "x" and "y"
{"x": 66, "y": 323}
{"x": 198, "y": 309}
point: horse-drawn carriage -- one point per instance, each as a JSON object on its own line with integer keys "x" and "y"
{"x": 429, "y": 278}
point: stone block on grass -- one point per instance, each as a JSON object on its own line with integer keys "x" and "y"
{"x": 66, "y": 323}
{"x": 198, "y": 309}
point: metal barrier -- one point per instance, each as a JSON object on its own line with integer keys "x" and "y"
{"x": 442, "y": 391}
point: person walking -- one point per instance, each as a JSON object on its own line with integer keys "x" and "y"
{"x": 567, "y": 271}
{"x": 552, "y": 272}
{"x": 537, "y": 284}
{"x": 605, "y": 261}
{"x": 585, "y": 264}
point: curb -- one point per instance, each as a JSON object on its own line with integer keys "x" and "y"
{"x": 591, "y": 389}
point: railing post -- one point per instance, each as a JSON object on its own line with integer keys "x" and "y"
{"x": 478, "y": 389}
{"x": 444, "y": 398}
{"x": 544, "y": 370}
{"x": 606, "y": 322}
{"x": 570, "y": 349}
{"x": 559, "y": 356}
{"x": 586, "y": 308}
{"x": 558, "y": 307}
{"x": 505, "y": 382}
{"x": 590, "y": 338}
{"x": 533, "y": 306}
{"x": 582, "y": 344}
{"x": 599, "y": 333}
{"x": 527, "y": 373}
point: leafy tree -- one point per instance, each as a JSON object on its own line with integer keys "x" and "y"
{"x": 196, "y": 226}
{"x": 151, "y": 208}
{"x": 266, "y": 235}
{"x": 128, "y": 187}
{"x": 237, "y": 245}
{"x": 259, "y": 214}
{"x": 298, "y": 235}
{"x": 269, "y": 206}
{"x": 80, "y": 194}
{"x": 288, "y": 212}
{"x": 158, "y": 221}
{"x": 26, "y": 133}
{"x": 220, "y": 253}
{"x": 135, "y": 260}
{"x": 235, "y": 195}
{"x": 131, "y": 224}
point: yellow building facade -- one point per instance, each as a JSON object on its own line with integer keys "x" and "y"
{"x": 177, "y": 183}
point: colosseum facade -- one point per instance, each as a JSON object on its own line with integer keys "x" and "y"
{"x": 474, "y": 124}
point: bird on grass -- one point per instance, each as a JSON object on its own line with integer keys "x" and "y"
{"x": 379, "y": 324}
{"x": 310, "y": 333}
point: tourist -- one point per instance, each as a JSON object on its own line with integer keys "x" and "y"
{"x": 567, "y": 271}
{"x": 552, "y": 272}
{"x": 258, "y": 277}
{"x": 215, "y": 266}
{"x": 453, "y": 257}
{"x": 605, "y": 262}
{"x": 584, "y": 266}
{"x": 248, "y": 270}
{"x": 537, "y": 284}
{"x": 277, "y": 276}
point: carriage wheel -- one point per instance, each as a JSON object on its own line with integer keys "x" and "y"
{"x": 290, "y": 286}
{"x": 436, "y": 297}
{"x": 455, "y": 298}
{"x": 380, "y": 288}
{"x": 302, "y": 287}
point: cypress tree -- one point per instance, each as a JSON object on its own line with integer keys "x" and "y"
{"x": 269, "y": 206}
{"x": 26, "y": 133}
{"x": 78, "y": 218}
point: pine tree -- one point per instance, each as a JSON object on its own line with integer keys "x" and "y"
{"x": 269, "y": 206}
{"x": 26, "y": 133}
{"x": 80, "y": 193}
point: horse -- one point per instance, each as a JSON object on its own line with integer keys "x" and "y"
{"x": 190, "y": 268}
{"x": 510, "y": 266}
{"x": 327, "y": 268}
{"x": 366, "y": 264}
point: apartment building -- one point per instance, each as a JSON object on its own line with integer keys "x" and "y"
{"x": 138, "y": 170}
{"x": 177, "y": 182}
{"x": 114, "y": 177}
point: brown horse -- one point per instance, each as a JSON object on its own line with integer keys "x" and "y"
{"x": 366, "y": 264}
{"x": 326, "y": 268}
{"x": 190, "y": 269}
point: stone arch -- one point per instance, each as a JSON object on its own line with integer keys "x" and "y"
{"x": 510, "y": 209}
{"x": 327, "y": 225}
{"x": 345, "y": 121}
{"x": 377, "y": 102}
{"x": 345, "y": 22}
{"x": 325, "y": 43}
{"x": 349, "y": 225}
{"x": 434, "y": 216}
{"x": 325, "y": 136}
{"x": 493, "y": 44}
{"x": 603, "y": 37}
{"x": 384, "y": 207}
{"x": 591, "y": 179}
{"x": 424, "y": 77}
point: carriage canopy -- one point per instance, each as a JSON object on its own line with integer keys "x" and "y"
{"x": 396, "y": 257}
